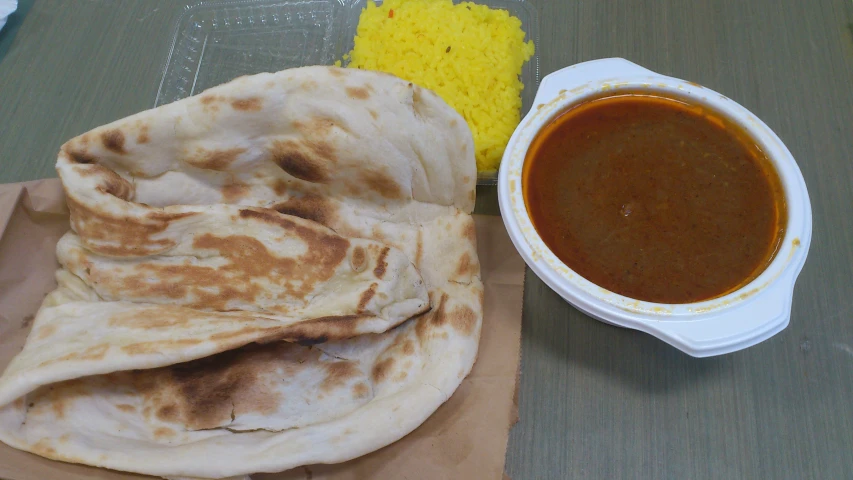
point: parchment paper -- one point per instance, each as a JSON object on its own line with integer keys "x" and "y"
{"x": 466, "y": 437}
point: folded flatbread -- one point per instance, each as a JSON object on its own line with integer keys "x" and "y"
{"x": 280, "y": 271}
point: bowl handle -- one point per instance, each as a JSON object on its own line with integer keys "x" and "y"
{"x": 735, "y": 328}
{"x": 593, "y": 72}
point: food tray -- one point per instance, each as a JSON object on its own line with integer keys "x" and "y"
{"x": 219, "y": 40}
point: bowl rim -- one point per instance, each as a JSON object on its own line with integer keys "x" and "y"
{"x": 570, "y": 86}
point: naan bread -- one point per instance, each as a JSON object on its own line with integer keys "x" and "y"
{"x": 266, "y": 263}
{"x": 139, "y": 362}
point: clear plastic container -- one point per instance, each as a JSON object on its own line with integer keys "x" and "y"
{"x": 217, "y": 41}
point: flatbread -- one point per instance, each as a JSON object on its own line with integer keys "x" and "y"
{"x": 265, "y": 263}
{"x": 164, "y": 381}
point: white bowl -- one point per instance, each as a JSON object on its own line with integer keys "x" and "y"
{"x": 732, "y": 322}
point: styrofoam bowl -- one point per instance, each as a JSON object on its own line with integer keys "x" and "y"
{"x": 732, "y": 322}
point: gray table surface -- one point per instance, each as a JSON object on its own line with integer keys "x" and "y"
{"x": 596, "y": 402}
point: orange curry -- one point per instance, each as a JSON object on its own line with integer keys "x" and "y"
{"x": 654, "y": 198}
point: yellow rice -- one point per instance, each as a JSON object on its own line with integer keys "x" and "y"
{"x": 469, "y": 54}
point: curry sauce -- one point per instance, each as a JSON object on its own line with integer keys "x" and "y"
{"x": 654, "y": 198}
